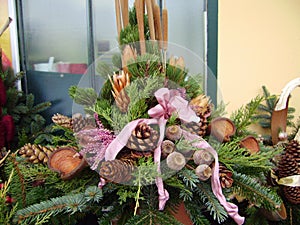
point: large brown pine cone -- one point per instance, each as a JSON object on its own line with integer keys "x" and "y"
{"x": 225, "y": 176}
{"x": 80, "y": 123}
{"x": 117, "y": 171}
{"x": 143, "y": 138}
{"x": 288, "y": 165}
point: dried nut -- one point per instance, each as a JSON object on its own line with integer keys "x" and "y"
{"x": 176, "y": 161}
{"x": 173, "y": 132}
{"x": 203, "y": 171}
{"x": 202, "y": 157}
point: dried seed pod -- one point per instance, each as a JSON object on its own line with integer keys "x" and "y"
{"x": 67, "y": 162}
{"x": 173, "y": 132}
{"x": 202, "y": 157}
{"x": 250, "y": 143}
{"x": 176, "y": 161}
{"x": 203, "y": 171}
{"x": 167, "y": 147}
{"x": 222, "y": 129}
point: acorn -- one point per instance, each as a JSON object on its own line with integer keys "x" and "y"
{"x": 176, "y": 161}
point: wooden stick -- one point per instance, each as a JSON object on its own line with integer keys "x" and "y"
{"x": 125, "y": 12}
{"x": 140, "y": 19}
{"x": 150, "y": 19}
{"x": 5, "y": 26}
{"x": 118, "y": 18}
{"x": 165, "y": 27}
{"x": 157, "y": 23}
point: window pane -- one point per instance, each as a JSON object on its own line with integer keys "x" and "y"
{"x": 55, "y": 28}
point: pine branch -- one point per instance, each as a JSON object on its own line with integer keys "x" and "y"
{"x": 256, "y": 193}
{"x": 217, "y": 211}
{"x": 66, "y": 204}
{"x": 196, "y": 213}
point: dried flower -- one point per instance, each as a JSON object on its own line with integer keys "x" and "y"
{"x": 203, "y": 171}
{"x": 202, "y": 157}
{"x": 176, "y": 161}
{"x": 173, "y": 132}
{"x": 167, "y": 147}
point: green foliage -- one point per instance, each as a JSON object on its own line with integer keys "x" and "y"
{"x": 83, "y": 96}
{"x": 239, "y": 159}
{"x": 7, "y": 210}
{"x": 27, "y": 116}
{"x": 69, "y": 204}
{"x": 255, "y": 192}
{"x": 244, "y": 116}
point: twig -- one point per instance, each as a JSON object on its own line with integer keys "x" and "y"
{"x": 5, "y": 26}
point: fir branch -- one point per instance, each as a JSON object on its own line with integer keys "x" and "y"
{"x": 196, "y": 213}
{"x": 212, "y": 204}
{"x": 256, "y": 193}
{"x": 65, "y": 204}
{"x": 83, "y": 96}
{"x": 189, "y": 178}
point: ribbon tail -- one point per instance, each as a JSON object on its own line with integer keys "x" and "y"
{"x": 231, "y": 208}
{"x": 163, "y": 193}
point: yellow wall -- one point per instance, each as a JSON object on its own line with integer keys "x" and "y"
{"x": 259, "y": 44}
{"x": 5, "y": 38}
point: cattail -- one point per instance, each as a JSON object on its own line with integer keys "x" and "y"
{"x": 157, "y": 23}
{"x": 165, "y": 27}
{"x": 125, "y": 13}
{"x": 140, "y": 19}
{"x": 118, "y": 17}
{"x": 150, "y": 19}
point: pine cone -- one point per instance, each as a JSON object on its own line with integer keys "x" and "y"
{"x": 202, "y": 106}
{"x": 117, "y": 171}
{"x": 36, "y": 153}
{"x": 122, "y": 101}
{"x": 80, "y": 123}
{"x": 119, "y": 82}
{"x": 288, "y": 165}
{"x": 225, "y": 176}
{"x": 62, "y": 120}
{"x": 143, "y": 138}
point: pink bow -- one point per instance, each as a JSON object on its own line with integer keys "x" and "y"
{"x": 170, "y": 102}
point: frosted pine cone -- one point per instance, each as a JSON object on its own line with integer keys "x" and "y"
{"x": 80, "y": 123}
{"x": 36, "y": 153}
{"x": 62, "y": 120}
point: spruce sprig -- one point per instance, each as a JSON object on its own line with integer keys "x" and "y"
{"x": 255, "y": 192}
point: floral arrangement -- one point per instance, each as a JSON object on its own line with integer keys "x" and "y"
{"x": 150, "y": 144}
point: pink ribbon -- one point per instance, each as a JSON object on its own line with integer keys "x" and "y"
{"x": 170, "y": 102}
{"x": 231, "y": 208}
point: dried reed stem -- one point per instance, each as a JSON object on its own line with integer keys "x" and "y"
{"x": 125, "y": 12}
{"x": 165, "y": 27}
{"x": 118, "y": 18}
{"x": 140, "y": 19}
{"x": 157, "y": 23}
{"x": 150, "y": 19}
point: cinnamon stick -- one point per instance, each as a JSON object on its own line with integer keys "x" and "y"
{"x": 150, "y": 19}
{"x": 140, "y": 19}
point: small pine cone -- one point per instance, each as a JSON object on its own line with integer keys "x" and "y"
{"x": 117, "y": 171}
{"x": 122, "y": 101}
{"x": 143, "y": 138}
{"x": 80, "y": 123}
{"x": 62, "y": 120}
{"x": 199, "y": 128}
{"x": 201, "y": 105}
{"x": 288, "y": 165}
{"x": 225, "y": 176}
{"x": 36, "y": 153}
